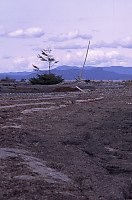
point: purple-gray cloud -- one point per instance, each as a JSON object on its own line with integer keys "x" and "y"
{"x": 7, "y": 57}
{"x": 70, "y": 36}
{"x": 102, "y": 44}
{"x": 125, "y": 43}
{"x": 96, "y": 57}
{"x": 70, "y": 46}
{"x": 28, "y": 33}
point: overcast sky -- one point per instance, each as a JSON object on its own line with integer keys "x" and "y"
{"x": 66, "y": 26}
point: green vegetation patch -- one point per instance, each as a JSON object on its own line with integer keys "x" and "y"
{"x": 46, "y": 79}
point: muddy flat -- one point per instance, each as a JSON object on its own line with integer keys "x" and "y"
{"x": 66, "y": 145}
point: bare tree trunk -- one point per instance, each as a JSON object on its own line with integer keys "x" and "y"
{"x": 49, "y": 67}
{"x": 85, "y": 60}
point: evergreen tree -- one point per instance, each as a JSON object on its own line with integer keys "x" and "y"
{"x": 46, "y": 57}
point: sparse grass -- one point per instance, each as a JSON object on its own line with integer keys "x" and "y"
{"x": 129, "y": 82}
{"x": 8, "y": 80}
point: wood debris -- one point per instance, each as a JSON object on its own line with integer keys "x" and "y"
{"x": 80, "y": 89}
{"x": 89, "y": 100}
{"x": 82, "y": 100}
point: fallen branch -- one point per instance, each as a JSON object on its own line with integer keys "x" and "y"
{"x": 82, "y": 100}
{"x": 89, "y": 100}
{"x": 80, "y": 89}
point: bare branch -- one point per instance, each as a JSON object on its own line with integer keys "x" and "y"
{"x": 35, "y": 68}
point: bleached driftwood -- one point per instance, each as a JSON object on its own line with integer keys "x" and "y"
{"x": 80, "y": 89}
{"x": 82, "y": 100}
{"x": 80, "y": 77}
{"x": 89, "y": 100}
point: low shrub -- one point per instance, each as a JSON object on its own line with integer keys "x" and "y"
{"x": 8, "y": 80}
{"x": 46, "y": 79}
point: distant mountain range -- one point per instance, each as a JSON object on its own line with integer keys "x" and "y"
{"x": 71, "y": 72}
{"x": 117, "y": 69}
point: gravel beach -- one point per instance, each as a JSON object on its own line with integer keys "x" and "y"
{"x": 57, "y": 144}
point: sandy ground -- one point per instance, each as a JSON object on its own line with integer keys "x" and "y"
{"x": 58, "y": 146}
